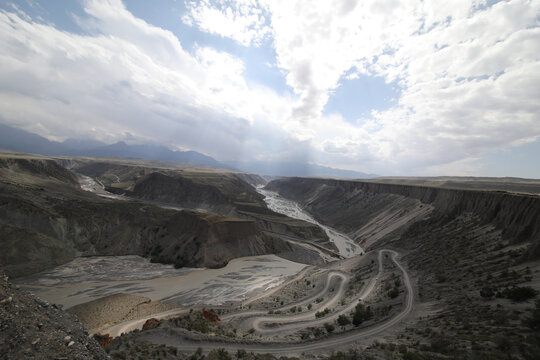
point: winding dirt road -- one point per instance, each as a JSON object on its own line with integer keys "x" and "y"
{"x": 179, "y": 337}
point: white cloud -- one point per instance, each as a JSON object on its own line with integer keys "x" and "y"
{"x": 241, "y": 20}
{"x": 127, "y": 76}
{"x": 469, "y": 76}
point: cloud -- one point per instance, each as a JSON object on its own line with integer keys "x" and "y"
{"x": 241, "y": 20}
{"x": 469, "y": 73}
{"x": 127, "y": 75}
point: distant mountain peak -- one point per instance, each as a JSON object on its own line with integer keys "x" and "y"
{"x": 23, "y": 141}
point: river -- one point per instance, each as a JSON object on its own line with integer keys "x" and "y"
{"x": 346, "y": 246}
{"x": 85, "y": 279}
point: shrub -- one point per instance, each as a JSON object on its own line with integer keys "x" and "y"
{"x": 519, "y": 294}
{"x": 534, "y": 321}
{"x": 329, "y": 327}
{"x": 241, "y": 353}
{"x": 361, "y": 314}
{"x": 441, "y": 278}
{"x": 394, "y": 293}
{"x": 319, "y": 314}
{"x": 411, "y": 356}
{"x": 219, "y": 354}
{"x": 487, "y": 292}
{"x": 343, "y": 320}
{"x": 440, "y": 345}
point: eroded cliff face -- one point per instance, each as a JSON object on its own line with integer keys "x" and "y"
{"x": 364, "y": 215}
{"x": 47, "y": 220}
{"x": 182, "y": 191}
{"x": 465, "y": 252}
{"x": 17, "y": 168}
{"x": 203, "y": 240}
{"x": 364, "y": 209}
{"x": 221, "y": 193}
{"x": 211, "y": 191}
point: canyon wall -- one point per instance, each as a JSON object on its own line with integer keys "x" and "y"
{"x": 354, "y": 205}
{"x": 47, "y": 220}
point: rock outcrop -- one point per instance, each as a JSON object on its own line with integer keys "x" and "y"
{"x": 185, "y": 192}
{"x": 221, "y": 193}
{"x": 353, "y": 206}
{"x": 43, "y": 167}
{"x": 31, "y": 328}
{"x": 46, "y": 220}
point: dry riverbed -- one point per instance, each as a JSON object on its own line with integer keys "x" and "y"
{"x": 241, "y": 278}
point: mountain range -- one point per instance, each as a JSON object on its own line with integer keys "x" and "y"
{"x": 23, "y": 141}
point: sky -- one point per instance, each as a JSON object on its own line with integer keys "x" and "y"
{"x": 411, "y": 87}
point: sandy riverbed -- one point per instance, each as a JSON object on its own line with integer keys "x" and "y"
{"x": 346, "y": 246}
{"x": 81, "y": 280}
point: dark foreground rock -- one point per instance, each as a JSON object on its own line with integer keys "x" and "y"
{"x": 31, "y": 328}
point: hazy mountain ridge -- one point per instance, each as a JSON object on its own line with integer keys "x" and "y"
{"x": 298, "y": 168}
{"x": 23, "y": 141}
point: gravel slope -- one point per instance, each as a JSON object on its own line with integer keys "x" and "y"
{"x": 30, "y": 328}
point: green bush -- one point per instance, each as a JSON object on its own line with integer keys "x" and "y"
{"x": 343, "y": 320}
{"x": 322, "y": 313}
{"x": 329, "y": 327}
{"x": 361, "y": 314}
{"x": 519, "y": 293}
{"x": 534, "y": 320}
{"x": 440, "y": 345}
{"x": 487, "y": 292}
{"x": 394, "y": 293}
{"x": 219, "y": 354}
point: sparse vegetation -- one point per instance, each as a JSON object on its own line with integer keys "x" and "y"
{"x": 518, "y": 293}
{"x": 329, "y": 327}
{"x": 393, "y": 293}
{"x": 343, "y": 320}
{"x": 322, "y": 313}
{"x": 361, "y": 314}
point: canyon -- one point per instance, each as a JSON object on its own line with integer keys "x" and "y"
{"x": 291, "y": 266}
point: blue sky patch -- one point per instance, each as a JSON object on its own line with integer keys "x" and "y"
{"x": 356, "y": 98}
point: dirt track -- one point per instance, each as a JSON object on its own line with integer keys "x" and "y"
{"x": 184, "y": 341}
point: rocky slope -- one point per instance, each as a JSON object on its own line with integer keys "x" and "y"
{"x": 474, "y": 255}
{"x": 31, "y": 328}
{"x": 225, "y": 194}
{"x": 116, "y": 308}
{"x": 211, "y": 191}
{"x": 46, "y": 220}
{"x": 365, "y": 214}
{"x": 352, "y": 205}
